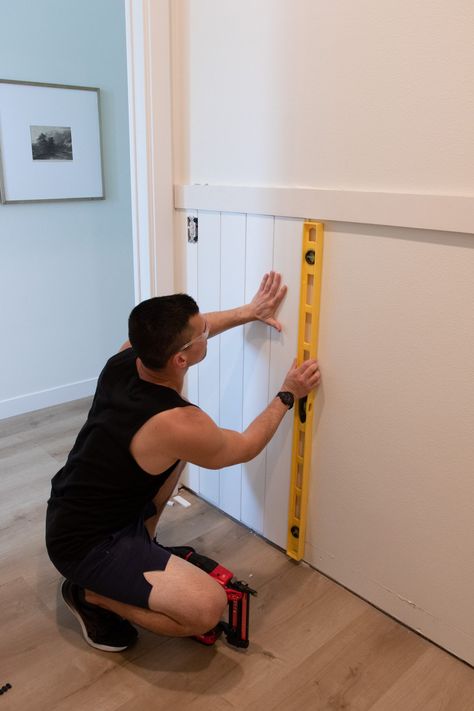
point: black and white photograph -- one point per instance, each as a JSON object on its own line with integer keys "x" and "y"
{"x": 51, "y": 142}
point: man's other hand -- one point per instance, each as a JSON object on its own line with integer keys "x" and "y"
{"x": 300, "y": 380}
{"x": 267, "y": 300}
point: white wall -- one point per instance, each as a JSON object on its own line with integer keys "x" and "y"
{"x": 362, "y": 97}
{"x": 66, "y": 270}
{"x": 368, "y": 95}
{"x": 392, "y": 497}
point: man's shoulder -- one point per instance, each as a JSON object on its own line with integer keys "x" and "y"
{"x": 121, "y": 359}
{"x": 168, "y": 429}
{"x": 175, "y": 423}
{"x": 116, "y": 365}
{"x": 183, "y": 414}
{"x": 125, "y": 356}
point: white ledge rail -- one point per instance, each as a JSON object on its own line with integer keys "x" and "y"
{"x": 448, "y": 213}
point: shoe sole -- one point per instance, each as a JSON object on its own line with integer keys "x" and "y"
{"x": 102, "y": 647}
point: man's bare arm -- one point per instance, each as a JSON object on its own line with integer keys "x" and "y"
{"x": 200, "y": 441}
{"x": 191, "y": 435}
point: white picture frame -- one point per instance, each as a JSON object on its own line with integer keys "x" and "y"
{"x": 50, "y": 142}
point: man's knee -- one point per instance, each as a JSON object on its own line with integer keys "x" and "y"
{"x": 208, "y": 611}
{"x": 188, "y": 595}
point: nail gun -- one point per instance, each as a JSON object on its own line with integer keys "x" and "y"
{"x": 238, "y": 593}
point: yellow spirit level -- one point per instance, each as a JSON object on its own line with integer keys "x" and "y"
{"x": 308, "y": 329}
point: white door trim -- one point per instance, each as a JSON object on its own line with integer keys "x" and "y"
{"x": 149, "y": 98}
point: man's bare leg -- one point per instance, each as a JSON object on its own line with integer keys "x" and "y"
{"x": 183, "y": 601}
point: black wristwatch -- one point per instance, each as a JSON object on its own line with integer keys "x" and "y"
{"x": 287, "y": 398}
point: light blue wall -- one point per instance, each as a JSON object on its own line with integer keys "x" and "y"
{"x": 66, "y": 269}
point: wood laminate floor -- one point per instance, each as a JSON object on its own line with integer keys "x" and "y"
{"x": 314, "y": 645}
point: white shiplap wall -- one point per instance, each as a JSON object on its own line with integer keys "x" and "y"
{"x": 244, "y": 367}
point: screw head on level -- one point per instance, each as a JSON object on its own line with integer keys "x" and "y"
{"x": 295, "y": 531}
{"x": 310, "y": 256}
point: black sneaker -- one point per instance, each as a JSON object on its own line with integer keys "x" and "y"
{"x": 101, "y": 629}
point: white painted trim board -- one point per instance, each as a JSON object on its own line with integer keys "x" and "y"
{"x": 149, "y": 89}
{"x": 448, "y": 213}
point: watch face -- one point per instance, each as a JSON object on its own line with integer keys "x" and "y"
{"x": 286, "y": 398}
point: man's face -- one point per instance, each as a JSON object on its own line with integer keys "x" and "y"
{"x": 196, "y": 348}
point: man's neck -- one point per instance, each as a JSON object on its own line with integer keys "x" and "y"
{"x": 165, "y": 377}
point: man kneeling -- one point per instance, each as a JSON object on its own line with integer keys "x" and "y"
{"x": 125, "y": 464}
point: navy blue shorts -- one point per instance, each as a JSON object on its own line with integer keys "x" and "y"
{"x": 115, "y": 567}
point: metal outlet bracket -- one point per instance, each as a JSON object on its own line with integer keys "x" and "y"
{"x": 192, "y": 230}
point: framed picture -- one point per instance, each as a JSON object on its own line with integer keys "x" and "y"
{"x": 50, "y": 145}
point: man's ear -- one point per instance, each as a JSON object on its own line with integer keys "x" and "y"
{"x": 180, "y": 360}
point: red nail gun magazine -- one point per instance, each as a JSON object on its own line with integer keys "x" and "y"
{"x": 238, "y": 594}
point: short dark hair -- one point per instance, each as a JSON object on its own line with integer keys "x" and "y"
{"x": 159, "y": 326}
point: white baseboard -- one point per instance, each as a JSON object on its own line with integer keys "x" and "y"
{"x": 46, "y": 398}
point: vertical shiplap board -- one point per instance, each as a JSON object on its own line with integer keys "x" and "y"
{"x": 232, "y": 351}
{"x": 209, "y": 259}
{"x": 258, "y": 260}
{"x": 191, "y": 474}
{"x": 283, "y": 349}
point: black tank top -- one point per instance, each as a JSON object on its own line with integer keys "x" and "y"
{"x": 101, "y": 488}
